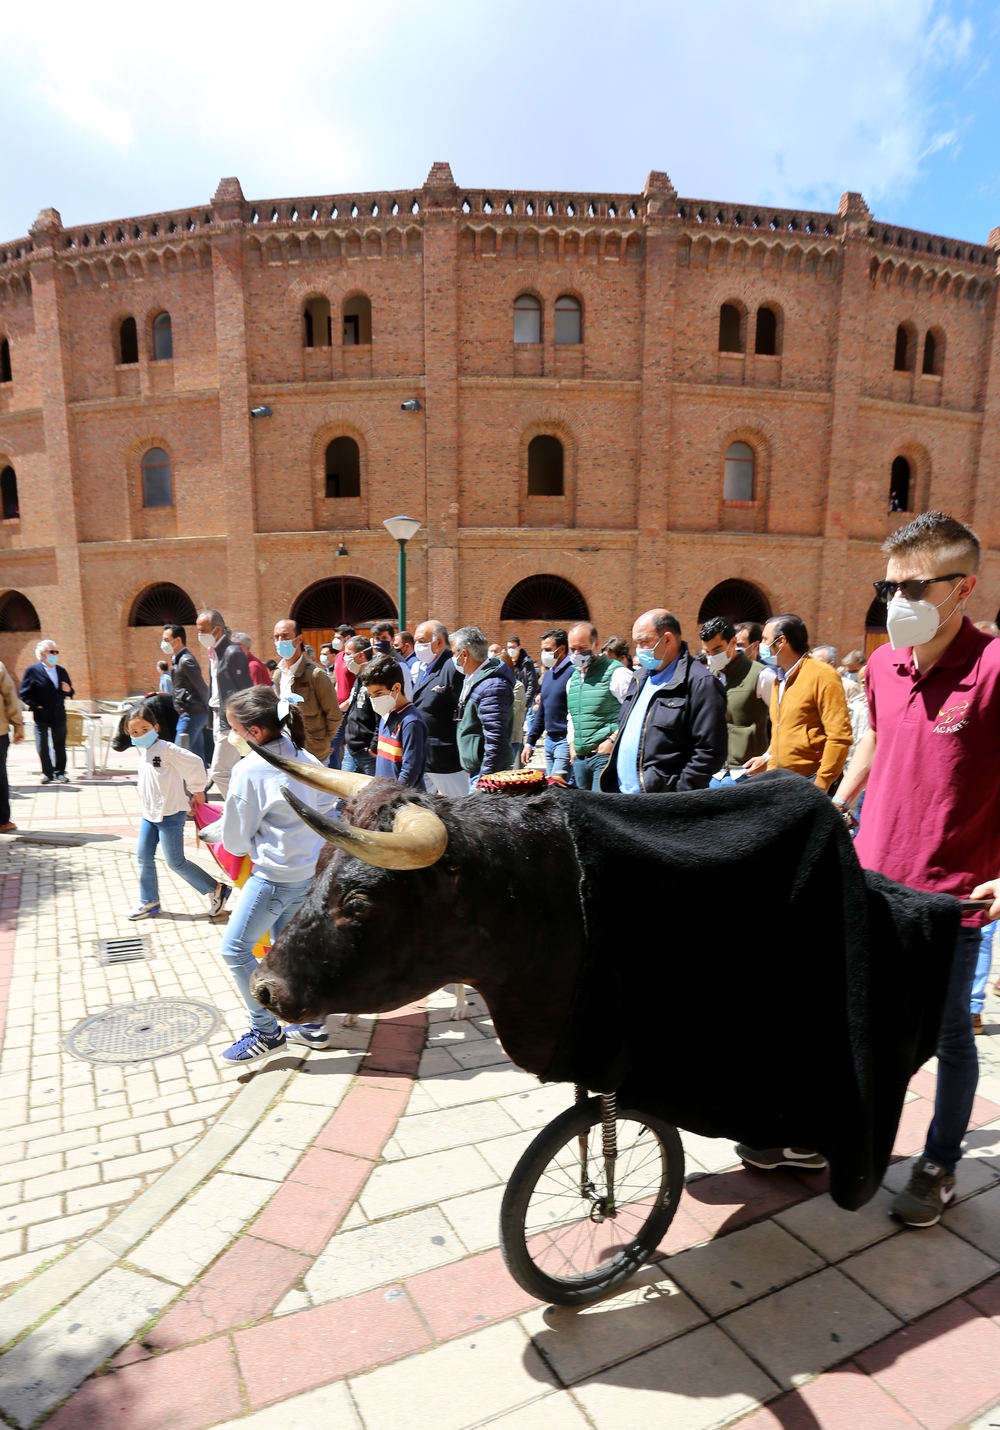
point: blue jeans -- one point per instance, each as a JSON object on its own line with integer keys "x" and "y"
{"x": 556, "y": 757}
{"x": 983, "y": 962}
{"x": 958, "y": 1062}
{"x": 193, "y": 726}
{"x": 333, "y": 762}
{"x": 358, "y": 764}
{"x": 261, "y": 907}
{"x": 587, "y": 770}
{"x": 170, "y": 834}
{"x": 720, "y": 781}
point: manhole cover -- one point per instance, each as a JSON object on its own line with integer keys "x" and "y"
{"x": 133, "y": 1032}
{"x": 122, "y": 950}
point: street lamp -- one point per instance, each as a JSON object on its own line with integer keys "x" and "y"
{"x": 401, "y": 528}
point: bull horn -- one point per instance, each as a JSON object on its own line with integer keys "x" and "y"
{"x": 417, "y": 840}
{"x": 336, "y": 782}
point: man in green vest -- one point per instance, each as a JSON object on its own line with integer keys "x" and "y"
{"x": 746, "y": 706}
{"x": 594, "y": 698}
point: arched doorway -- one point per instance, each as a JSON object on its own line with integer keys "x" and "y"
{"x": 737, "y": 599}
{"x": 875, "y": 631}
{"x": 161, "y": 605}
{"x": 338, "y": 601}
{"x": 17, "y": 614}
{"x": 544, "y": 598}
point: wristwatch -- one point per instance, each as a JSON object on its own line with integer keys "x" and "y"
{"x": 842, "y": 809}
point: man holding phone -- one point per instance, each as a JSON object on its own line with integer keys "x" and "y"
{"x": 931, "y": 767}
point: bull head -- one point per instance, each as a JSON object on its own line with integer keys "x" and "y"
{"x": 417, "y": 839}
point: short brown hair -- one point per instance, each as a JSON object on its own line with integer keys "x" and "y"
{"x": 933, "y": 532}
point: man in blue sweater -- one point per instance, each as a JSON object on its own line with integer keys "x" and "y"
{"x": 551, "y": 713}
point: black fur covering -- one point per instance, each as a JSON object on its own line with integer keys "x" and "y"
{"x": 745, "y": 978}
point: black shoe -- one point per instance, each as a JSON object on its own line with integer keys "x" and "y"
{"x": 768, "y": 1159}
{"x": 926, "y": 1195}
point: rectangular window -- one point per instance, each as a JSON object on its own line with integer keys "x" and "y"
{"x": 352, "y": 330}
{"x": 527, "y": 325}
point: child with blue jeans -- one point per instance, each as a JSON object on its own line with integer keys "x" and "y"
{"x": 164, "y": 771}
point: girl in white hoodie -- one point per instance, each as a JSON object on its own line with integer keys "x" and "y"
{"x": 164, "y": 770}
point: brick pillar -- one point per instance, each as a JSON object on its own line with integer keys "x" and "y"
{"x": 848, "y": 341}
{"x": 241, "y": 607}
{"x": 985, "y": 513}
{"x": 655, "y": 445}
{"x": 439, "y": 203}
{"x": 51, "y": 336}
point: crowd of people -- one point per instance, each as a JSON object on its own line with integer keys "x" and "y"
{"x": 903, "y": 745}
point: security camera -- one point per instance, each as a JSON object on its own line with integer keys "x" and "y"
{"x": 260, "y": 411}
{"x": 411, "y": 406}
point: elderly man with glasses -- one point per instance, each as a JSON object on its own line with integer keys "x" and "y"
{"x": 45, "y": 687}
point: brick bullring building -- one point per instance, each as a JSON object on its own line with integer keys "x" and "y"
{"x": 624, "y": 401}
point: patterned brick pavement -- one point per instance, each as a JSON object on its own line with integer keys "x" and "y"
{"x": 318, "y": 1241}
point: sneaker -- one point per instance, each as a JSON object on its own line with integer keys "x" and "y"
{"x": 217, "y": 899}
{"x": 61, "y": 779}
{"x": 925, "y": 1195}
{"x": 310, "y": 1035}
{"x": 977, "y": 1018}
{"x": 145, "y": 911}
{"x": 46, "y": 779}
{"x": 768, "y": 1158}
{"x": 254, "y": 1045}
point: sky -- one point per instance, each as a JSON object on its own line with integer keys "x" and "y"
{"x": 118, "y": 111}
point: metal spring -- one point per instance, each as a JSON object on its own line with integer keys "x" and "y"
{"x": 609, "y": 1119}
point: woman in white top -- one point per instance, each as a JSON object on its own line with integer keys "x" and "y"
{"x": 164, "y": 770}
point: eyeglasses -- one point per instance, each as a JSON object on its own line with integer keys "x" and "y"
{"x": 912, "y": 590}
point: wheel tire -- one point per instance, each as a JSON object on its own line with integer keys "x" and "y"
{"x": 579, "y": 1290}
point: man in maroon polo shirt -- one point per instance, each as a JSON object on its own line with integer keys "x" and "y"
{"x": 930, "y": 765}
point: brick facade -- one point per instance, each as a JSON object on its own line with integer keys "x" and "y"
{"x": 645, "y": 407}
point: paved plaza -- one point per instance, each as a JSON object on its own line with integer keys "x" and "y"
{"x": 314, "y": 1242}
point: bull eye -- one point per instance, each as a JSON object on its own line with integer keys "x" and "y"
{"x": 355, "y": 905}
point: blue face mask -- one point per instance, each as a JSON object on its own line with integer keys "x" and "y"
{"x": 765, "y": 654}
{"x": 143, "y": 742}
{"x": 647, "y": 657}
{"x": 458, "y": 665}
{"x": 50, "y": 659}
{"x": 286, "y": 649}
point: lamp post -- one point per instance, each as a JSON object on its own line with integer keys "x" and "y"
{"x": 401, "y": 528}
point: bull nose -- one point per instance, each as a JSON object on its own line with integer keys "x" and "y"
{"x": 261, "y": 990}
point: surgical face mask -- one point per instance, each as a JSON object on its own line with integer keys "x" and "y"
{"x": 286, "y": 649}
{"x": 166, "y": 648}
{"x": 548, "y": 659}
{"x": 766, "y": 654}
{"x": 647, "y": 657}
{"x": 424, "y": 651}
{"x": 239, "y": 743}
{"x": 353, "y": 665}
{"x": 324, "y": 659}
{"x": 581, "y": 658}
{"x": 383, "y": 704}
{"x": 337, "y": 644}
{"x": 206, "y": 639}
{"x": 914, "y": 622}
{"x": 458, "y": 665}
{"x": 143, "y": 742}
{"x": 718, "y": 661}
{"x": 50, "y": 659}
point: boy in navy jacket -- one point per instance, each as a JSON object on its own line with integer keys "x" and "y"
{"x": 402, "y": 741}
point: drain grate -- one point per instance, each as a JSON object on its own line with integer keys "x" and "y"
{"x": 122, "y": 950}
{"x": 135, "y": 1032}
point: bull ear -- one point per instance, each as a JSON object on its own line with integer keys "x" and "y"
{"x": 418, "y": 837}
{"x": 336, "y": 782}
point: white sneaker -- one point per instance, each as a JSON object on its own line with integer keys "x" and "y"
{"x": 217, "y": 899}
{"x": 145, "y": 911}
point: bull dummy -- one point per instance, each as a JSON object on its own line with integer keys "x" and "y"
{"x": 716, "y": 957}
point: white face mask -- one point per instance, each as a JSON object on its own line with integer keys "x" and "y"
{"x": 337, "y": 644}
{"x": 424, "y": 651}
{"x": 166, "y": 648}
{"x": 354, "y": 666}
{"x": 383, "y": 704}
{"x": 548, "y": 659}
{"x": 718, "y": 661}
{"x": 208, "y": 641}
{"x": 912, "y": 623}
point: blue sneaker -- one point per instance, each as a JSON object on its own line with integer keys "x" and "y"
{"x": 254, "y": 1045}
{"x": 310, "y": 1035}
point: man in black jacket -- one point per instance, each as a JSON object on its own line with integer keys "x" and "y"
{"x": 525, "y": 670}
{"x": 44, "y": 689}
{"x": 437, "y": 686}
{"x": 230, "y": 672}
{"x": 360, "y": 717}
{"x": 190, "y": 693}
{"x": 672, "y": 728}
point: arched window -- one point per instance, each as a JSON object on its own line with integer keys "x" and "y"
{"x": 357, "y": 321}
{"x": 544, "y": 598}
{"x": 5, "y": 374}
{"x": 569, "y": 320}
{"x": 738, "y": 481}
{"x": 933, "y": 363}
{"x": 545, "y": 467}
{"x": 156, "y": 478}
{"x": 929, "y": 347}
{"x": 343, "y": 468}
{"x": 739, "y": 600}
{"x": 899, "y": 485}
{"x": 163, "y": 605}
{"x": 875, "y": 631}
{"x": 8, "y": 494}
{"x": 163, "y": 338}
{"x": 18, "y": 614}
{"x": 527, "y": 319}
{"x": 128, "y": 341}
{"x": 317, "y": 323}
{"x": 342, "y": 600}
{"x": 766, "y": 340}
{"x": 729, "y": 329}
{"x": 901, "y": 362}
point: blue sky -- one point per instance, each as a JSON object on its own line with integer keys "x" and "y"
{"x": 125, "y": 110}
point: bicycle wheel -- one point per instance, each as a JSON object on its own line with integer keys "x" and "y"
{"x": 567, "y": 1235}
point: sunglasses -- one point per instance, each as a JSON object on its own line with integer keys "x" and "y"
{"x": 912, "y": 590}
